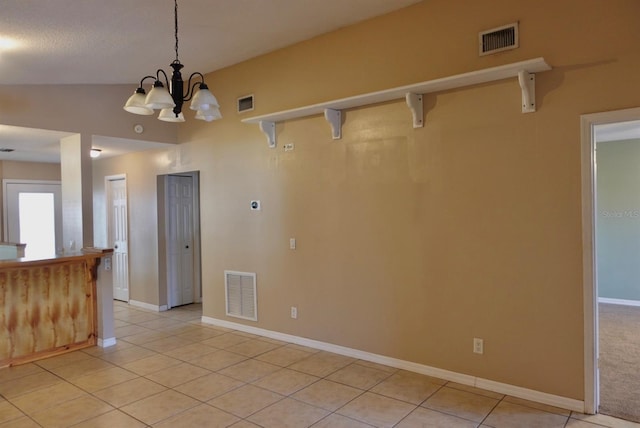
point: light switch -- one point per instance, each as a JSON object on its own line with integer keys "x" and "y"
{"x": 292, "y": 243}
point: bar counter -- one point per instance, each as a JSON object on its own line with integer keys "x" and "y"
{"x": 48, "y": 305}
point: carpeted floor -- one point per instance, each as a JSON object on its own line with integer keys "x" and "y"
{"x": 620, "y": 361}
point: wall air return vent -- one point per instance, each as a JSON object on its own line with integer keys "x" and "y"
{"x": 240, "y": 291}
{"x": 245, "y": 103}
{"x": 498, "y": 39}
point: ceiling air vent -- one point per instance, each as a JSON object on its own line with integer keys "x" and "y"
{"x": 498, "y": 39}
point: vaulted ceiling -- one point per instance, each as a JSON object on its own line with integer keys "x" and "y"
{"x": 120, "y": 41}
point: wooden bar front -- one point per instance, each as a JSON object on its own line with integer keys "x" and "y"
{"x": 48, "y": 306}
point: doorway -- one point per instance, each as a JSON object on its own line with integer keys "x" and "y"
{"x": 180, "y": 223}
{"x": 33, "y": 216}
{"x": 117, "y": 234}
{"x": 605, "y": 219}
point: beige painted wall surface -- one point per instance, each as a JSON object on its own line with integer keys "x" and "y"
{"x": 85, "y": 109}
{"x": 30, "y": 170}
{"x": 410, "y": 241}
{"x": 141, "y": 169}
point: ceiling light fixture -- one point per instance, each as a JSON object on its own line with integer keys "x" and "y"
{"x": 94, "y": 153}
{"x": 170, "y": 103}
{"x": 7, "y": 43}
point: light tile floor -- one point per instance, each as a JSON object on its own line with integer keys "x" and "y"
{"x": 169, "y": 370}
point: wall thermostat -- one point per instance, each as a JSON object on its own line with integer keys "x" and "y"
{"x": 255, "y": 205}
{"x": 138, "y": 129}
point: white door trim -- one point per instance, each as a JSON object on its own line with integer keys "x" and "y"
{"x": 197, "y": 268}
{"x": 109, "y": 221}
{"x": 589, "y": 274}
{"x": 5, "y": 206}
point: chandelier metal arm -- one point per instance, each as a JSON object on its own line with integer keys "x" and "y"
{"x": 191, "y": 89}
{"x": 158, "y": 73}
{"x": 145, "y": 78}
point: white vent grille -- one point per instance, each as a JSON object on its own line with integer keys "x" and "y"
{"x": 240, "y": 291}
{"x": 245, "y": 103}
{"x": 498, "y": 39}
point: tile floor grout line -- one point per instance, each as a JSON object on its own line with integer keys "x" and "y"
{"x": 451, "y": 414}
{"x": 364, "y": 391}
{"x": 319, "y": 379}
{"x": 182, "y": 325}
{"x": 491, "y": 411}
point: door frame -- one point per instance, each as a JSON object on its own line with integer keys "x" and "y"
{"x": 589, "y": 266}
{"x": 109, "y": 216}
{"x": 163, "y": 206}
{"x": 5, "y": 207}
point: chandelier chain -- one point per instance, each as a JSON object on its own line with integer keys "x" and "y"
{"x": 176, "y": 26}
{"x": 170, "y": 99}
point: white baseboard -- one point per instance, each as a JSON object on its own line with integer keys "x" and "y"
{"x": 531, "y": 395}
{"x": 105, "y": 343}
{"x": 619, "y": 301}
{"x": 502, "y": 388}
{"x": 148, "y": 306}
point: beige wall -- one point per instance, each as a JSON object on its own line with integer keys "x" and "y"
{"x": 410, "y": 241}
{"x": 30, "y": 170}
{"x": 84, "y": 109}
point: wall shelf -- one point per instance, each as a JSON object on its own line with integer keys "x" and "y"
{"x": 523, "y": 71}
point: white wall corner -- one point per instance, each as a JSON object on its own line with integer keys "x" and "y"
{"x": 105, "y": 343}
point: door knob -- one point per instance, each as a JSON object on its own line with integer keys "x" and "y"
{"x": 115, "y": 246}
{"x": 186, "y": 246}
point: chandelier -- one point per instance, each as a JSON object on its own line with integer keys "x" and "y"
{"x": 170, "y": 101}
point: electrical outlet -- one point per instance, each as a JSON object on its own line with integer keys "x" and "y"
{"x": 294, "y": 312}
{"x": 288, "y": 147}
{"x": 292, "y": 243}
{"x": 478, "y": 346}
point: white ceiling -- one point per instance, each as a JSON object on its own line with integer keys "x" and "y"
{"x": 121, "y": 41}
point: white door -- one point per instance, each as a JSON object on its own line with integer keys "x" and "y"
{"x": 180, "y": 240}
{"x": 33, "y": 216}
{"x": 117, "y": 229}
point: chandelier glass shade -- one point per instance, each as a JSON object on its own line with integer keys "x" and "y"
{"x": 169, "y": 97}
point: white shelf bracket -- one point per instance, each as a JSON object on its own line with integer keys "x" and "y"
{"x": 334, "y": 117}
{"x": 414, "y": 102}
{"x": 527, "y": 83}
{"x": 269, "y": 129}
